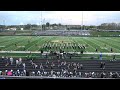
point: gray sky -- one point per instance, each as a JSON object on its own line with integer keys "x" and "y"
{"x": 64, "y": 17}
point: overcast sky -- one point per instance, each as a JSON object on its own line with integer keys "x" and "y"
{"x": 64, "y": 17}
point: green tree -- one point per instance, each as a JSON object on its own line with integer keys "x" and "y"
{"x": 47, "y": 24}
{"x": 28, "y": 26}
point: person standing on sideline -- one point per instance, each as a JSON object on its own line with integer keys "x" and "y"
{"x": 100, "y": 56}
{"x": 111, "y": 50}
{"x": 96, "y": 50}
{"x": 114, "y": 56}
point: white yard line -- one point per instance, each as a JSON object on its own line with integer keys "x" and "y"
{"x": 99, "y": 44}
{"x": 109, "y": 45}
{"x": 88, "y": 44}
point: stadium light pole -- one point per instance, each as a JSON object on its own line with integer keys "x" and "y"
{"x": 41, "y": 20}
{"x": 70, "y": 23}
{"x": 61, "y": 24}
{"x": 4, "y": 23}
{"x": 82, "y": 21}
{"x": 96, "y": 24}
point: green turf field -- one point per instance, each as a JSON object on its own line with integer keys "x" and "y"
{"x": 55, "y": 43}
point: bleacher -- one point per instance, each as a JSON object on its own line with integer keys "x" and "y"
{"x": 88, "y": 66}
{"x": 63, "y": 32}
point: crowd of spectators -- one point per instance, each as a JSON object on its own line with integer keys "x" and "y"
{"x": 53, "y": 69}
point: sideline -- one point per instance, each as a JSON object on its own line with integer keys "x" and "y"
{"x": 58, "y": 52}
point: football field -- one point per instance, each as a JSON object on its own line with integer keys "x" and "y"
{"x": 21, "y": 46}
{"x": 55, "y": 43}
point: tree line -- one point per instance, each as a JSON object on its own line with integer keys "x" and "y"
{"x": 103, "y": 26}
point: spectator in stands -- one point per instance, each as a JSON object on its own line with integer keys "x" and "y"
{"x": 58, "y": 61}
{"x": 68, "y": 66}
{"x": 78, "y": 66}
{"x": 31, "y": 62}
{"x": 27, "y": 73}
{"x": 102, "y": 65}
{"x": 20, "y": 61}
{"x": 90, "y": 74}
{"x": 6, "y": 72}
{"x": 110, "y": 74}
{"x": 113, "y": 75}
{"x": 9, "y": 73}
{"x": 35, "y": 66}
{"x": 58, "y": 74}
{"x": 6, "y": 60}
{"x": 52, "y": 65}
{"x": 64, "y": 63}
{"x": 47, "y": 62}
{"x": 74, "y": 64}
{"x": 93, "y": 74}
{"x": 11, "y": 70}
{"x": 81, "y": 66}
{"x": 23, "y": 66}
{"x": 11, "y": 60}
{"x": 117, "y": 75}
{"x": 33, "y": 73}
{"x": 103, "y": 75}
{"x": 57, "y": 56}
{"x": 3, "y": 57}
{"x": 0, "y": 72}
{"x": 7, "y": 64}
{"x": 45, "y": 73}
{"x": 41, "y": 66}
{"x": 38, "y": 73}
{"x": 24, "y": 72}
{"x": 18, "y": 72}
{"x": 46, "y": 65}
{"x": 79, "y": 74}
{"x": 17, "y": 62}
{"x": 51, "y": 72}
{"x": 3, "y": 73}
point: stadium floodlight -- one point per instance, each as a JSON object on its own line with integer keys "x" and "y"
{"x": 4, "y": 23}
{"x": 41, "y": 20}
{"x": 82, "y": 21}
